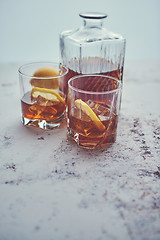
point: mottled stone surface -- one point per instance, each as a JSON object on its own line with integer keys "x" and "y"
{"x": 51, "y": 189}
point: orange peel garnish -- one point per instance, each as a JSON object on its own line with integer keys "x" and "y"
{"x": 89, "y": 112}
{"x": 47, "y": 94}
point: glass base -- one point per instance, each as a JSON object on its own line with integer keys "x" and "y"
{"x": 92, "y": 143}
{"x": 43, "y": 124}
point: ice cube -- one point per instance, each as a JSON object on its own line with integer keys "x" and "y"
{"x": 103, "y": 118}
{"x": 90, "y": 103}
{"x": 42, "y": 101}
{"x": 101, "y": 110}
{"x": 36, "y": 109}
{"x": 77, "y": 113}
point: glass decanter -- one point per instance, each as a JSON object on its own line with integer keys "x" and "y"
{"x": 92, "y": 48}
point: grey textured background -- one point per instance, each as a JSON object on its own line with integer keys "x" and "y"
{"x": 29, "y": 29}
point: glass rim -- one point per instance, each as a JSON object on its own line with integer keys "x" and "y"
{"x": 41, "y": 62}
{"x": 93, "y": 92}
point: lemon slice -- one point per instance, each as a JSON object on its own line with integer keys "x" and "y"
{"x": 44, "y": 79}
{"x": 87, "y": 110}
{"x": 47, "y": 94}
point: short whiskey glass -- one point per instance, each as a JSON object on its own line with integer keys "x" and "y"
{"x": 43, "y": 102}
{"x": 93, "y": 109}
